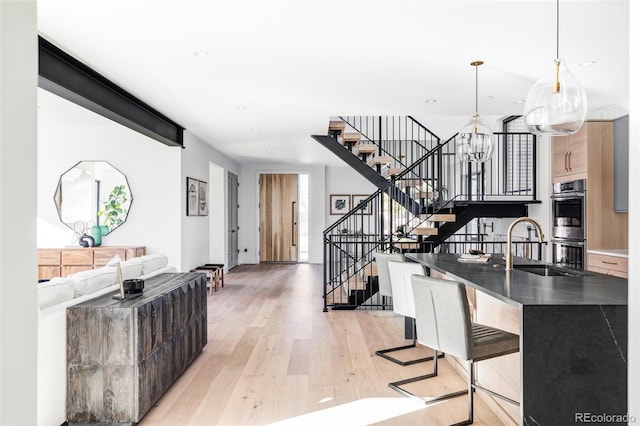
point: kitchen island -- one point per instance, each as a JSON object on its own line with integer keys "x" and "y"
{"x": 573, "y": 335}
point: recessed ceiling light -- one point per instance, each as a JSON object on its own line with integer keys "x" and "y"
{"x": 256, "y": 130}
{"x": 519, "y": 101}
{"x": 200, "y": 53}
{"x": 587, "y": 63}
{"x": 430, "y": 101}
{"x": 241, "y": 108}
{"x": 488, "y": 98}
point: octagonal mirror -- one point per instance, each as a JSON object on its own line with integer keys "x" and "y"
{"x": 93, "y": 193}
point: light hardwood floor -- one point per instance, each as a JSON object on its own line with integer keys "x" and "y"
{"x": 273, "y": 357}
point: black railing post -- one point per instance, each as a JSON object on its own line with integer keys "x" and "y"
{"x": 326, "y": 256}
{"x": 469, "y": 180}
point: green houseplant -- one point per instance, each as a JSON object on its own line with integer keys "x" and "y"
{"x": 114, "y": 210}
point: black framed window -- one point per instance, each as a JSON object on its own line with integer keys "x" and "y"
{"x": 519, "y": 159}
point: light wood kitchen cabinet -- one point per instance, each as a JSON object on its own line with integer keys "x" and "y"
{"x": 570, "y": 155}
{"x": 588, "y": 155}
{"x": 59, "y": 262}
{"x": 609, "y": 265}
{"x": 606, "y": 229}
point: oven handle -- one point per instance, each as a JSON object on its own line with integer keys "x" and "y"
{"x": 568, "y": 195}
{"x": 577, "y": 243}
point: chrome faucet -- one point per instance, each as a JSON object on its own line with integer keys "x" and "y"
{"x": 509, "y": 255}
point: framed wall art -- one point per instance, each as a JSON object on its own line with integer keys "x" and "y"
{"x": 192, "y": 196}
{"x": 203, "y": 198}
{"x": 356, "y": 199}
{"x": 339, "y": 203}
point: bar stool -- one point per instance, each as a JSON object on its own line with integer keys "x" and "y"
{"x": 444, "y": 323}
{"x": 399, "y": 275}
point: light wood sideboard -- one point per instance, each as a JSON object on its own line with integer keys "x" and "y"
{"x": 60, "y": 262}
{"x": 122, "y": 356}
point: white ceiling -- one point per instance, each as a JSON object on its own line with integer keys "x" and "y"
{"x": 277, "y": 70}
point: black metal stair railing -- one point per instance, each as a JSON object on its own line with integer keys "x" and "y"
{"x": 379, "y": 223}
{"x": 402, "y": 138}
{"x": 401, "y": 215}
{"x": 349, "y": 247}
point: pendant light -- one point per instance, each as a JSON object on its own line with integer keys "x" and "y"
{"x": 475, "y": 139}
{"x": 556, "y": 104}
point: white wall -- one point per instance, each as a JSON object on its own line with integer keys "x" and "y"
{"x": 18, "y": 264}
{"x": 248, "y": 219}
{"x": 218, "y": 215}
{"x": 197, "y": 159}
{"x": 344, "y": 180}
{"x": 68, "y": 133}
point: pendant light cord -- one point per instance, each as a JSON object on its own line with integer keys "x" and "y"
{"x": 476, "y": 89}
{"x": 557, "y": 29}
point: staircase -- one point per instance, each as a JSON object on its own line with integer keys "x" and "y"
{"x": 425, "y": 195}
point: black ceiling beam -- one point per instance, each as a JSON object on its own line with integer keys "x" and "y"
{"x": 65, "y": 76}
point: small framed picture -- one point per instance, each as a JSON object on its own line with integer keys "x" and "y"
{"x": 339, "y": 203}
{"x": 192, "y": 196}
{"x": 357, "y": 199}
{"x": 203, "y": 198}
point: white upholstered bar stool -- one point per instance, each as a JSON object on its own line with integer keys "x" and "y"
{"x": 399, "y": 275}
{"x": 444, "y": 323}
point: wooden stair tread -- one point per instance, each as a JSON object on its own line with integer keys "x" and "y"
{"x": 371, "y": 270}
{"x": 380, "y": 159}
{"x": 354, "y": 282}
{"x": 351, "y": 137}
{"x": 423, "y": 230}
{"x": 393, "y": 171}
{"x": 337, "y": 125}
{"x": 405, "y": 183}
{"x": 439, "y": 217}
{"x": 366, "y": 148}
{"x": 407, "y": 245}
{"x": 426, "y": 194}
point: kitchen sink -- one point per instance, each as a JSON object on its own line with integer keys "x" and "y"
{"x": 549, "y": 270}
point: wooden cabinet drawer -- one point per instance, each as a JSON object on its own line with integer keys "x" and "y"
{"x": 77, "y": 257}
{"x": 68, "y": 270}
{"x": 613, "y": 263}
{"x": 48, "y": 272}
{"x": 49, "y": 257}
{"x": 104, "y": 255}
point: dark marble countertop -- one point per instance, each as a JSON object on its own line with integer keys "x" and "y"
{"x": 521, "y": 288}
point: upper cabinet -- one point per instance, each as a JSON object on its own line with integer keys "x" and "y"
{"x": 621, "y": 164}
{"x": 570, "y": 156}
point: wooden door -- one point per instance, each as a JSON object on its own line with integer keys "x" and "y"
{"x": 278, "y": 218}
{"x": 232, "y": 257}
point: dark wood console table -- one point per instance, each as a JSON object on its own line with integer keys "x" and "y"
{"x": 123, "y": 355}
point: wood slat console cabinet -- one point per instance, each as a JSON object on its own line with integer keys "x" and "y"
{"x": 123, "y": 355}
{"x": 60, "y": 262}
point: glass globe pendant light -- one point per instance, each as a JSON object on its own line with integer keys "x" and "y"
{"x": 556, "y": 104}
{"x": 475, "y": 139}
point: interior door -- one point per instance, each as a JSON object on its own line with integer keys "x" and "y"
{"x": 279, "y": 218}
{"x": 232, "y": 257}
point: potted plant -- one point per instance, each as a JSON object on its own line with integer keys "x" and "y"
{"x": 113, "y": 210}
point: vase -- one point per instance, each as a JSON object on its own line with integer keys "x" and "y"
{"x": 104, "y": 229}
{"x": 96, "y": 233}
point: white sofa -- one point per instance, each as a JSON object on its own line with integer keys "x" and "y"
{"x": 54, "y": 297}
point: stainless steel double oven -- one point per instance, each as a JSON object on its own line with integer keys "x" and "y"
{"x": 569, "y": 207}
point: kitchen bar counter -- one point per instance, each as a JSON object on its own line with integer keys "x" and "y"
{"x": 524, "y": 288}
{"x": 573, "y": 336}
